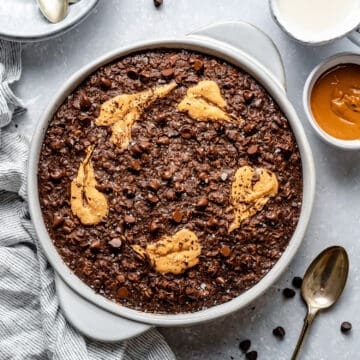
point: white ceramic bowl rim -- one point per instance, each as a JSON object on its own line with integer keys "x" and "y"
{"x": 315, "y": 74}
{"x": 347, "y": 28}
{"x": 238, "y": 59}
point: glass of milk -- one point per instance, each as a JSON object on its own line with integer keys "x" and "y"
{"x": 315, "y": 22}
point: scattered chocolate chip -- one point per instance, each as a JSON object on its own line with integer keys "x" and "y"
{"x": 105, "y": 83}
{"x": 158, "y": 3}
{"x": 57, "y": 174}
{"x": 122, "y": 292}
{"x": 297, "y": 282}
{"x": 177, "y": 216}
{"x": 289, "y": 293}
{"x": 279, "y": 332}
{"x": 245, "y": 345}
{"x": 115, "y": 243}
{"x": 252, "y": 355}
{"x": 198, "y": 65}
{"x": 129, "y": 219}
{"x": 346, "y": 327}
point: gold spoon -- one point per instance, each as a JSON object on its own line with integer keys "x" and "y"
{"x": 323, "y": 283}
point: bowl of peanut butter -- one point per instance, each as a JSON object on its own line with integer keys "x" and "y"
{"x": 331, "y": 100}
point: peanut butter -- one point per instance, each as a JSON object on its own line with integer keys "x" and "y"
{"x": 203, "y": 102}
{"x": 172, "y": 254}
{"x": 247, "y": 198}
{"x": 87, "y": 203}
{"x": 335, "y": 102}
{"x": 122, "y": 112}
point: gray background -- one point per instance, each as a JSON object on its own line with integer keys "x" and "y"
{"x": 336, "y": 215}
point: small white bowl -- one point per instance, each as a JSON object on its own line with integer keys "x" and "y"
{"x": 338, "y": 59}
{"x": 337, "y": 31}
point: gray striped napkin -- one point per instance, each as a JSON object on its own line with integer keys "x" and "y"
{"x": 31, "y": 323}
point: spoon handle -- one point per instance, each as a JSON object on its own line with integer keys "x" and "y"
{"x": 307, "y": 323}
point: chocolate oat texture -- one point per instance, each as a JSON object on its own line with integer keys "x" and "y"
{"x": 170, "y": 181}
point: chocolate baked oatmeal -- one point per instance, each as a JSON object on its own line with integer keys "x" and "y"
{"x": 170, "y": 181}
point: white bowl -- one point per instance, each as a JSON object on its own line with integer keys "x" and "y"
{"x": 338, "y": 59}
{"x": 223, "y": 49}
{"x": 316, "y": 38}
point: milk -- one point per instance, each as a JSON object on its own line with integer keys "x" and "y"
{"x": 314, "y": 18}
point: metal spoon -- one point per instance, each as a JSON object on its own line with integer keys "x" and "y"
{"x": 323, "y": 283}
{"x": 54, "y": 10}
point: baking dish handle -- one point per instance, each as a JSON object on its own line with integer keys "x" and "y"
{"x": 251, "y": 42}
{"x": 91, "y": 320}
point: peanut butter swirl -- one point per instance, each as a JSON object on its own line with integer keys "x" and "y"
{"x": 247, "y": 197}
{"x": 123, "y": 111}
{"x": 203, "y": 102}
{"x": 87, "y": 203}
{"x": 172, "y": 254}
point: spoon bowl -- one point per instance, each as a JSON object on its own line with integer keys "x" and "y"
{"x": 323, "y": 283}
{"x": 54, "y": 10}
{"x": 325, "y": 279}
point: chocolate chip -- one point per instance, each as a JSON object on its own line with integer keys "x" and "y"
{"x": 170, "y": 195}
{"x": 132, "y": 74}
{"x": 248, "y": 96}
{"x": 57, "y": 174}
{"x": 135, "y": 165}
{"x": 202, "y": 203}
{"x": 85, "y": 102}
{"x": 198, "y": 65}
{"x": 212, "y": 222}
{"x": 186, "y": 132}
{"x": 220, "y": 280}
{"x": 153, "y": 199}
{"x": 158, "y": 3}
{"x": 289, "y": 293}
{"x": 167, "y": 72}
{"x": 57, "y": 220}
{"x": 253, "y": 149}
{"x": 297, "y": 282}
{"x": 129, "y": 191}
{"x": 115, "y": 243}
{"x": 129, "y": 219}
{"x": 345, "y": 327}
{"x": 145, "y": 145}
{"x": 179, "y": 188}
{"x": 225, "y": 251}
{"x": 154, "y": 185}
{"x": 105, "y": 83}
{"x": 177, "y": 215}
{"x": 122, "y": 292}
{"x": 154, "y": 226}
{"x": 95, "y": 244}
{"x": 167, "y": 175}
{"x": 252, "y": 355}
{"x": 279, "y": 332}
{"x": 245, "y": 345}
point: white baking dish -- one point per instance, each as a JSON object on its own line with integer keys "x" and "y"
{"x": 240, "y": 44}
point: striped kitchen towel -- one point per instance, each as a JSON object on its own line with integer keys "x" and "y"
{"x": 31, "y": 323}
